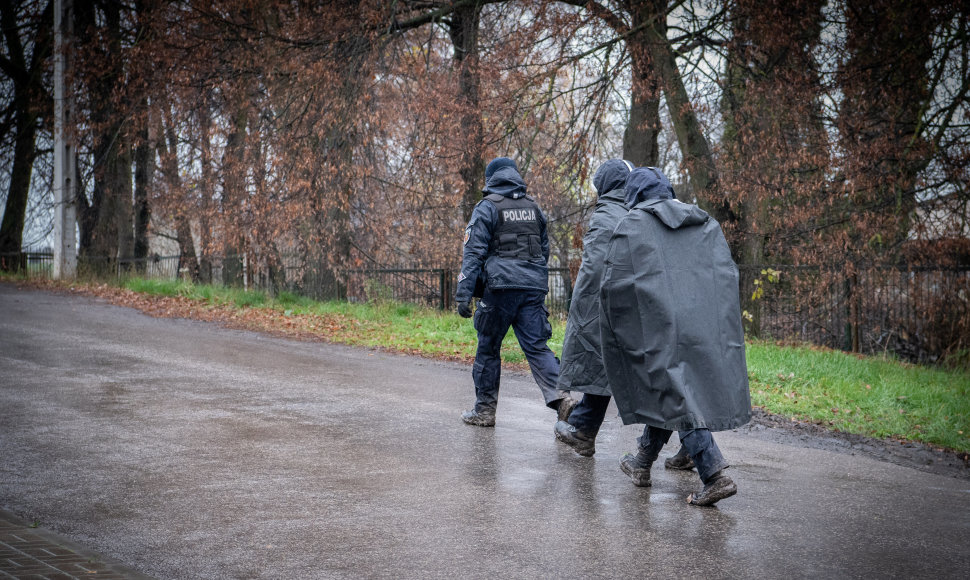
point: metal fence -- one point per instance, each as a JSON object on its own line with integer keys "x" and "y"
{"x": 917, "y": 313}
{"x": 433, "y": 287}
{"x": 31, "y": 264}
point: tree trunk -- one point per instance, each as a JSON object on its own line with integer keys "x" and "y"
{"x": 145, "y": 148}
{"x": 885, "y": 89}
{"x": 14, "y": 215}
{"x": 107, "y": 229}
{"x": 464, "y": 39}
{"x": 233, "y": 192}
{"x": 29, "y": 96}
{"x": 144, "y": 170}
{"x": 168, "y": 149}
{"x": 643, "y": 127}
{"x": 772, "y": 156}
{"x": 694, "y": 147}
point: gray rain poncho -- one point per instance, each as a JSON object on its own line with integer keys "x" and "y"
{"x": 673, "y": 344}
{"x": 581, "y": 368}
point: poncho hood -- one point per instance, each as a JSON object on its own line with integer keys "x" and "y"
{"x": 674, "y": 214}
{"x": 647, "y": 183}
{"x": 611, "y": 175}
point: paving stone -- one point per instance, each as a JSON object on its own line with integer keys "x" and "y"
{"x": 27, "y": 552}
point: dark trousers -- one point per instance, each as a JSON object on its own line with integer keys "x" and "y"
{"x": 525, "y": 312}
{"x": 589, "y": 414}
{"x": 699, "y": 443}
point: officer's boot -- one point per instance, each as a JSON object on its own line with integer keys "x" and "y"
{"x": 638, "y": 466}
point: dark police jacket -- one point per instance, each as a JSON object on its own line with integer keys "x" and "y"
{"x": 673, "y": 344}
{"x": 505, "y": 240}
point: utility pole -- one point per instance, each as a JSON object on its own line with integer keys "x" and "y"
{"x": 65, "y": 208}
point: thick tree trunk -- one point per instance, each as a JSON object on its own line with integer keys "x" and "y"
{"x": 145, "y": 148}
{"x": 29, "y": 95}
{"x": 772, "y": 152}
{"x": 885, "y": 95}
{"x": 107, "y": 229}
{"x": 464, "y": 39}
{"x": 640, "y": 137}
{"x": 144, "y": 170}
{"x": 14, "y": 215}
{"x": 694, "y": 147}
{"x": 168, "y": 148}
{"x": 233, "y": 191}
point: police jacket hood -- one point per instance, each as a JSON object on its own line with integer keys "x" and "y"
{"x": 611, "y": 175}
{"x": 581, "y": 367}
{"x": 670, "y": 321}
{"x": 647, "y": 183}
{"x": 506, "y": 181}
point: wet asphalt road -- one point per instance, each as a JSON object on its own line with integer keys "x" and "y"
{"x": 186, "y": 450}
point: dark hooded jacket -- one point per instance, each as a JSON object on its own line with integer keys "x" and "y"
{"x": 673, "y": 344}
{"x": 581, "y": 368}
{"x": 501, "y": 273}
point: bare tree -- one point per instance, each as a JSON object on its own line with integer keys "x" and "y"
{"x": 27, "y": 44}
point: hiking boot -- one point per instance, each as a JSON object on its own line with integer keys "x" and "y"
{"x": 683, "y": 462}
{"x": 566, "y": 406}
{"x": 482, "y": 419}
{"x": 638, "y": 472}
{"x": 579, "y": 441}
{"x": 718, "y": 488}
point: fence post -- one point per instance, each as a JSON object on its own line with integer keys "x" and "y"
{"x": 447, "y": 288}
{"x": 441, "y": 289}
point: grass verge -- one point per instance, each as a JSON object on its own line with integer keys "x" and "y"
{"x": 871, "y": 396}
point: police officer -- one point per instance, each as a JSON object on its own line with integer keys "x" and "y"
{"x": 505, "y": 253}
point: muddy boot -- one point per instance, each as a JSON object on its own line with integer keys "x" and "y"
{"x": 581, "y": 443}
{"x": 566, "y": 406}
{"x": 483, "y": 419}
{"x": 680, "y": 461}
{"x": 717, "y": 488}
{"x": 637, "y": 467}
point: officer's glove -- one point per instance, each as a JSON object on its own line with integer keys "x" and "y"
{"x": 464, "y": 310}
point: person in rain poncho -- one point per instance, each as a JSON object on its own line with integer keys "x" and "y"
{"x": 670, "y": 321}
{"x": 581, "y": 368}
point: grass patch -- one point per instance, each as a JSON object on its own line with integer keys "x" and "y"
{"x": 159, "y": 287}
{"x": 871, "y": 396}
